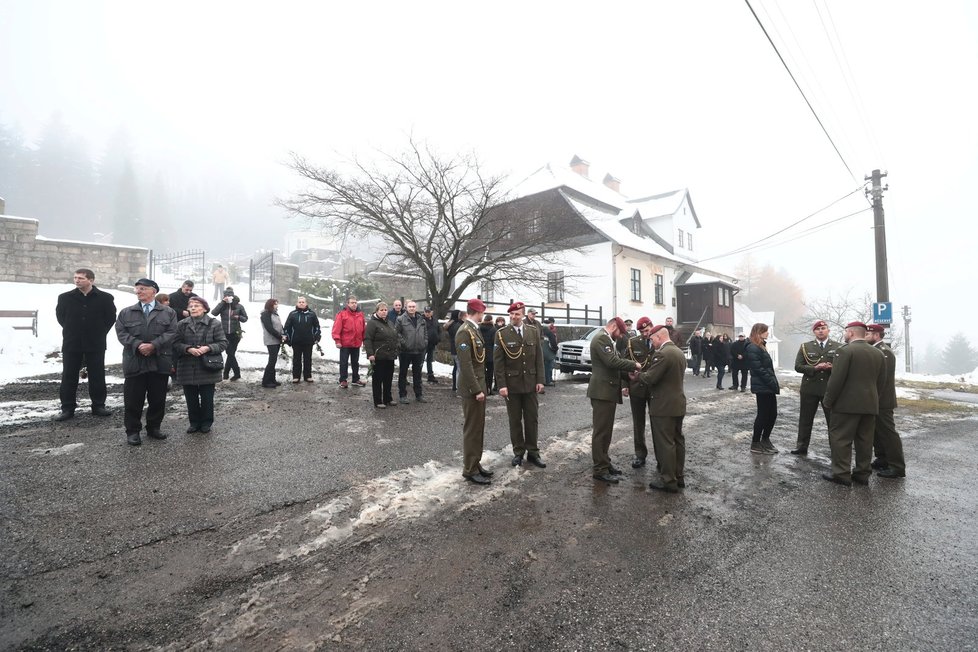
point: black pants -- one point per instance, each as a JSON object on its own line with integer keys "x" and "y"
{"x": 200, "y": 405}
{"x": 743, "y": 377}
{"x": 350, "y": 356}
{"x": 490, "y": 372}
{"x": 697, "y": 360}
{"x": 767, "y": 414}
{"x": 231, "y": 364}
{"x": 429, "y": 358}
{"x": 721, "y": 368}
{"x": 269, "y": 377}
{"x": 150, "y": 389}
{"x": 302, "y": 361}
{"x": 415, "y": 360}
{"x": 73, "y": 360}
{"x": 383, "y": 381}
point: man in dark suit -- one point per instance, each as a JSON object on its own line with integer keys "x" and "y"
{"x": 86, "y": 315}
{"x": 886, "y": 441}
{"x": 738, "y": 362}
{"x": 472, "y": 389}
{"x": 668, "y": 407}
{"x": 639, "y": 349}
{"x": 814, "y": 363}
{"x": 853, "y": 395}
{"x": 604, "y": 390}
{"x": 518, "y": 370}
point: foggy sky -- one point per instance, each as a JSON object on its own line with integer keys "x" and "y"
{"x": 662, "y": 95}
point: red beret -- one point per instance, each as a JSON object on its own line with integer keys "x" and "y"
{"x": 875, "y": 328}
{"x": 855, "y": 324}
{"x": 656, "y": 329}
{"x": 517, "y": 305}
{"x": 620, "y": 324}
{"x": 643, "y": 322}
{"x": 818, "y": 324}
{"x": 474, "y": 306}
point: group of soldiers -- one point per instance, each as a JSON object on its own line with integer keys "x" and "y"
{"x": 854, "y": 383}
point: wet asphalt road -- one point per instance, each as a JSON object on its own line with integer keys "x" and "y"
{"x": 308, "y": 520}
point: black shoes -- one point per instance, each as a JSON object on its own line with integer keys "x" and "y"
{"x": 271, "y": 385}
{"x": 192, "y": 429}
{"x": 681, "y": 483}
{"x": 879, "y": 465}
{"x": 800, "y": 451}
{"x": 638, "y": 462}
{"x": 203, "y": 429}
{"x": 101, "y": 411}
{"x": 892, "y": 473}
{"x": 832, "y": 478}
{"x": 536, "y": 461}
{"x": 486, "y": 473}
{"x": 235, "y": 377}
{"x": 517, "y": 460}
{"x": 133, "y": 439}
{"x": 154, "y": 433}
{"x": 734, "y": 388}
{"x": 420, "y": 399}
{"x": 433, "y": 381}
{"x": 606, "y": 477}
{"x": 665, "y": 488}
{"x": 613, "y": 470}
{"x": 478, "y": 478}
{"x": 861, "y": 480}
{"x": 64, "y": 416}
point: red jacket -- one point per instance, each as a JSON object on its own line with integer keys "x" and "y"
{"x": 348, "y": 329}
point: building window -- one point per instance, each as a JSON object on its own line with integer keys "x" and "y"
{"x": 659, "y": 290}
{"x": 680, "y": 238}
{"x": 555, "y": 287}
{"x": 689, "y": 241}
{"x": 636, "y": 284}
{"x": 723, "y": 297}
{"x": 533, "y": 227}
{"x": 485, "y": 288}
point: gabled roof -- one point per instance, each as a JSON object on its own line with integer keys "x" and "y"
{"x": 664, "y": 204}
{"x": 552, "y": 176}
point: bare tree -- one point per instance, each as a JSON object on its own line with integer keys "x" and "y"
{"x": 839, "y": 310}
{"x": 441, "y": 218}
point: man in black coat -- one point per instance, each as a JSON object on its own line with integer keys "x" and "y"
{"x": 86, "y": 315}
{"x": 434, "y": 335}
{"x": 696, "y": 351}
{"x": 179, "y": 300}
{"x": 738, "y": 362}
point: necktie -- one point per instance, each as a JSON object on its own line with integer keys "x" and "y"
{"x": 146, "y": 309}
{"x": 821, "y": 345}
{"x": 519, "y": 331}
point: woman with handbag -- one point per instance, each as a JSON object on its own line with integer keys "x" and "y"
{"x": 198, "y": 346}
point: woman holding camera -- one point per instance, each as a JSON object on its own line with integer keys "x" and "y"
{"x": 232, "y": 315}
{"x": 199, "y": 336}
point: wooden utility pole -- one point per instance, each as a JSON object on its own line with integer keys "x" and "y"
{"x": 876, "y": 192}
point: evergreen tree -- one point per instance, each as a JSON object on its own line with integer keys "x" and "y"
{"x": 127, "y": 221}
{"x": 958, "y": 356}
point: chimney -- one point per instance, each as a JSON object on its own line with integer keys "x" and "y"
{"x": 613, "y": 183}
{"x": 580, "y": 166}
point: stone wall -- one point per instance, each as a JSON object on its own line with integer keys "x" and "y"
{"x": 27, "y": 258}
{"x": 285, "y": 278}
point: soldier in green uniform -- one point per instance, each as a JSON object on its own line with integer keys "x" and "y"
{"x": 472, "y": 389}
{"x": 518, "y": 371}
{"x": 639, "y": 349}
{"x": 886, "y": 441}
{"x": 668, "y": 407}
{"x": 814, "y": 363}
{"x": 604, "y": 390}
{"x": 853, "y": 394}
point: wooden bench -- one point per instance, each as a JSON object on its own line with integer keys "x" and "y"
{"x": 22, "y": 314}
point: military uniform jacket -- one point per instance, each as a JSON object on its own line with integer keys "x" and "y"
{"x": 810, "y": 354}
{"x": 471, "y": 351}
{"x": 857, "y": 380}
{"x": 606, "y": 368}
{"x": 518, "y": 361}
{"x": 665, "y": 380}
{"x": 637, "y": 349}
{"x": 888, "y": 399}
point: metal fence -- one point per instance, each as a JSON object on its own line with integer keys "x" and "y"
{"x": 172, "y": 268}
{"x": 262, "y": 278}
{"x": 586, "y": 316}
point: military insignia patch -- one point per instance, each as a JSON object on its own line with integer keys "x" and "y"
{"x": 462, "y": 347}
{"x": 607, "y": 349}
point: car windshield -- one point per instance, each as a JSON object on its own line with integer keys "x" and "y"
{"x": 590, "y": 336}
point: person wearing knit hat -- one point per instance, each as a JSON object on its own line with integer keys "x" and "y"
{"x": 232, "y": 315}
{"x": 471, "y": 352}
{"x": 639, "y": 349}
{"x": 887, "y": 445}
{"x": 605, "y": 392}
{"x": 814, "y": 363}
{"x": 518, "y": 371}
{"x": 853, "y": 395}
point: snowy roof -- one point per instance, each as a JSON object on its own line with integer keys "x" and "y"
{"x": 697, "y": 278}
{"x": 23, "y": 219}
{"x": 552, "y": 176}
{"x": 744, "y": 317}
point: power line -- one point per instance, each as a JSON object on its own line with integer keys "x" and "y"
{"x": 750, "y": 245}
{"x": 798, "y": 86}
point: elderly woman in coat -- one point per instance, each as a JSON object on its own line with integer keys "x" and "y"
{"x": 381, "y": 345}
{"x": 197, "y": 336}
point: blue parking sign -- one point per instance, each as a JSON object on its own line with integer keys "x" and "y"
{"x": 883, "y": 313}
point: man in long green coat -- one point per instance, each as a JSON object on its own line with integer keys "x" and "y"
{"x": 639, "y": 349}
{"x": 472, "y": 389}
{"x": 814, "y": 363}
{"x": 668, "y": 407}
{"x": 604, "y": 390}
{"x": 518, "y": 372}
{"x": 853, "y": 394}
{"x": 886, "y": 441}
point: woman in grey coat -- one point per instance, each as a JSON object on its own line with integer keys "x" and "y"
{"x": 198, "y": 335}
{"x": 273, "y": 334}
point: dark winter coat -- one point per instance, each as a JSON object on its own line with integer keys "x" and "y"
{"x": 179, "y": 302}
{"x": 412, "y": 333}
{"x": 696, "y": 345}
{"x": 380, "y": 339}
{"x": 488, "y": 332}
{"x": 434, "y": 331}
{"x": 762, "y": 377}
{"x": 737, "y": 348}
{"x": 193, "y": 333}
{"x": 133, "y": 328}
{"x": 85, "y": 319}
{"x": 302, "y": 327}
{"x": 452, "y": 328}
{"x": 232, "y": 316}
{"x": 721, "y": 352}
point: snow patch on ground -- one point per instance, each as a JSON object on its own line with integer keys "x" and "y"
{"x": 60, "y": 450}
